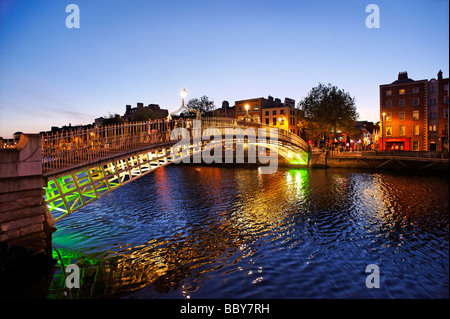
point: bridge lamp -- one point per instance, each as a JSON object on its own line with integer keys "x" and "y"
{"x": 183, "y": 95}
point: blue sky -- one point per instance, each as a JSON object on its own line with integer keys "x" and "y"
{"x": 147, "y": 51}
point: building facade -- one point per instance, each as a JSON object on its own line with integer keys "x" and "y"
{"x": 271, "y": 112}
{"x": 412, "y": 114}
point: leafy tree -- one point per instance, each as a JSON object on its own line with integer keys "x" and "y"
{"x": 328, "y": 111}
{"x": 112, "y": 119}
{"x": 142, "y": 114}
{"x": 203, "y": 104}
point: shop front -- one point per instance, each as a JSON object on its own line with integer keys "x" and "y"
{"x": 397, "y": 144}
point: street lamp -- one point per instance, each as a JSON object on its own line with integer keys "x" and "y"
{"x": 247, "y": 116}
{"x": 382, "y": 130}
{"x": 183, "y": 95}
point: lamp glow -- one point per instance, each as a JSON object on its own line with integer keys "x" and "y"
{"x": 183, "y": 93}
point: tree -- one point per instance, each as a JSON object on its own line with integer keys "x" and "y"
{"x": 142, "y": 114}
{"x": 112, "y": 119}
{"x": 328, "y": 111}
{"x": 203, "y": 104}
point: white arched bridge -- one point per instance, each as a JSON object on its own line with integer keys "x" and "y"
{"x": 82, "y": 166}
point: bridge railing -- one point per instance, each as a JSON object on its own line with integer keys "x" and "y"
{"x": 282, "y": 134}
{"x": 64, "y": 149}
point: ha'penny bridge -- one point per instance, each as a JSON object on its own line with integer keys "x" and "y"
{"x": 84, "y": 166}
{"x": 45, "y": 178}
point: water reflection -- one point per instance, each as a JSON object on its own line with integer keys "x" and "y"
{"x": 235, "y": 233}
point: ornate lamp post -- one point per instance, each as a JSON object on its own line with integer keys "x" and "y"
{"x": 247, "y": 116}
{"x": 183, "y": 94}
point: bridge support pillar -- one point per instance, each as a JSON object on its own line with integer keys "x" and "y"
{"x": 26, "y": 226}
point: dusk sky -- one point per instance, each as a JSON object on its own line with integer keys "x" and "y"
{"x": 147, "y": 51}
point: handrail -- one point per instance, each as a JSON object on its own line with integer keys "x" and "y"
{"x": 65, "y": 149}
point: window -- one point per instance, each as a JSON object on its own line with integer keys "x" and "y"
{"x": 274, "y": 121}
{"x": 388, "y": 92}
{"x": 240, "y": 110}
{"x": 416, "y": 129}
{"x": 445, "y": 113}
{"x": 281, "y": 111}
{"x": 430, "y": 128}
{"x": 401, "y": 91}
{"x": 389, "y": 103}
{"x": 388, "y": 130}
{"x": 415, "y": 145}
{"x": 401, "y": 130}
{"x": 415, "y": 90}
{"x": 267, "y": 120}
{"x": 446, "y": 99}
{"x": 267, "y": 112}
{"x": 434, "y": 128}
{"x": 415, "y": 115}
{"x": 416, "y": 101}
{"x": 274, "y": 112}
{"x": 388, "y": 117}
{"x": 401, "y": 102}
{"x": 256, "y": 107}
{"x": 401, "y": 116}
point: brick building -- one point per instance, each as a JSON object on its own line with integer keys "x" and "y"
{"x": 270, "y": 111}
{"x": 409, "y": 117}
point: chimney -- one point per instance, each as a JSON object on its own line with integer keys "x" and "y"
{"x": 225, "y": 105}
{"x": 403, "y": 76}
{"x": 128, "y": 109}
{"x": 440, "y": 75}
{"x": 139, "y": 105}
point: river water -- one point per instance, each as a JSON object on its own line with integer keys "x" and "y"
{"x": 217, "y": 232}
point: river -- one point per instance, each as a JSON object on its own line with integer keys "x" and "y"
{"x": 227, "y": 232}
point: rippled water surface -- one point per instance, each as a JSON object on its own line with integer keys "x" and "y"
{"x": 208, "y": 232}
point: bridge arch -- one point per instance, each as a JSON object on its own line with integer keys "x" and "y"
{"x": 87, "y": 165}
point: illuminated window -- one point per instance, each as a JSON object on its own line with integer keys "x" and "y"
{"x": 401, "y": 116}
{"x": 401, "y": 91}
{"x": 415, "y": 115}
{"x": 415, "y": 145}
{"x": 416, "y": 129}
{"x": 256, "y": 107}
{"x": 388, "y": 130}
{"x": 401, "y": 130}
{"x": 388, "y": 92}
{"x": 401, "y": 102}
{"x": 434, "y": 128}
{"x": 388, "y": 116}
